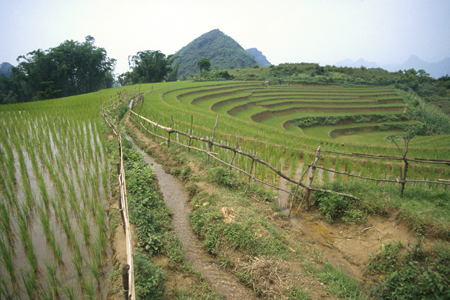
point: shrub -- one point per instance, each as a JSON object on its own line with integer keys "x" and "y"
{"x": 223, "y": 177}
{"x": 330, "y": 204}
{"x": 149, "y": 278}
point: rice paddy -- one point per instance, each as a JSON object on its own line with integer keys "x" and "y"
{"x": 54, "y": 195}
{"x": 263, "y": 118}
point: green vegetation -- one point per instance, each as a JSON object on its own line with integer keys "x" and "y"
{"x": 150, "y": 66}
{"x": 55, "y": 170}
{"x": 204, "y": 64}
{"x": 53, "y": 154}
{"x": 411, "y": 272}
{"x": 72, "y": 68}
{"x": 222, "y": 51}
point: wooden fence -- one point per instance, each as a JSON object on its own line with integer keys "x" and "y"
{"x": 127, "y": 268}
{"x": 145, "y": 123}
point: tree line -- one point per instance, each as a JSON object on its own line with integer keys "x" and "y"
{"x": 74, "y": 68}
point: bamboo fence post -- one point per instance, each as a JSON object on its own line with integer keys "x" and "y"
{"x": 311, "y": 178}
{"x": 405, "y": 161}
{"x": 190, "y": 133}
{"x": 139, "y": 109}
{"x": 234, "y": 152}
{"x": 159, "y": 121}
{"x": 250, "y": 177}
{"x": 212, "y": 137}
{"x": 148, "y": 128}
{"x": 296, "y": 189}
{"x": 126, "y": 284}
{"x": 169, "y": 132}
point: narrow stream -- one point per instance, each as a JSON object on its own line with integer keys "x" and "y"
{"x": 175, "y": 197}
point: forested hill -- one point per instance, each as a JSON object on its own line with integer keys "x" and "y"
{"x": 220, "y": 49}
{"x": 5, "y": 69}
{"x": 260, "y": 58}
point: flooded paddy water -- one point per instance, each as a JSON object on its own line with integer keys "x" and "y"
{"x": 54, "y": 191}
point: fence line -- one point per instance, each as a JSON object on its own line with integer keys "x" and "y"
{"x": 127, "y": 268}
{"x": 128, "y": 283}
{"x": 211, "y": 143}
{"x": 313, "y": 166}
{"x": 387, "y": 157}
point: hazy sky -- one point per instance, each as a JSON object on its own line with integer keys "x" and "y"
{"x": 321, "y": 31}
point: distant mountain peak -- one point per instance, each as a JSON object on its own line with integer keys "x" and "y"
{"x": 260, "y": 58}
{"x": 435, "y": 70}
{"x": 220, "y": 49}
{"x": 356, "y": 64}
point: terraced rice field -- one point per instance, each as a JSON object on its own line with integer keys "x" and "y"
{"x": 263, "y": 120}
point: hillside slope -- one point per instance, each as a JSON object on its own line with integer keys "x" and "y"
{"x": 260, "y": 58}
{"x": 220, "y": 49}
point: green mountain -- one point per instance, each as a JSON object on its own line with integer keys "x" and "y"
{"x": 220, "y": 49}
{"x": 260, "y": 58}
{"x": 5, "y": 69}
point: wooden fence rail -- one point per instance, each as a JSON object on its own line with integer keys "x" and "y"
{"x": 211, "y": 143}
{"x": 128, "y": 268}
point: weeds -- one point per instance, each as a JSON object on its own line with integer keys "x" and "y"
{"x": 411, "y": 274}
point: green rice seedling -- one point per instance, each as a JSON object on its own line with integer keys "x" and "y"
{"x": 348, "y": 165}
{"x": 85, "y": 228}
{"x": 5, "y": 219}
{"x": 6, "y": 189}
{"x": 7, "y": 260}
{"x": 94, "y": 270}
{"x": 31, "y": 254}
{"x": 43, "y": 190}
{"x": 10, "y": 158}
{"x": 338, "y": 167}
{"x": 69, "y": 292}
{"x": 4, "y": 291}
{"x": 75, "y": 246}
{"x": 263, "y": 171}
{"x": 307, "y": 159}
{"x": 89, "y": 288}
{"x": 101, "y": 237}
{"x": 77, "y": 265}
{"x": 61, "y": 212}
{"x": 52, "y": 276}
{"x": 29, "y": 282}
{"x": 294, "y": 164}
{"x": 288, "y": 154}
{"x": 45, "y": 294}
{"x": 49, "y": 234}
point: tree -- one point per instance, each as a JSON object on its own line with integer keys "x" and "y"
{"x": 422, "y": 73}
{"x": 151, "y": 66}
{"x": 204, "y": 64}
{"x": 72, "y": 68}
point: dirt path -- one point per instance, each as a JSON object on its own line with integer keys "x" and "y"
{"x": 175, "y": 197}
